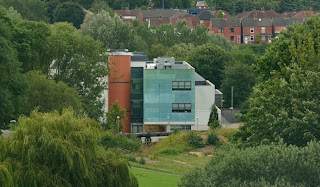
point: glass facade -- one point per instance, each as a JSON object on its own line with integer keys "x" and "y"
{"x": 136, "y": 99}
{"x": 159, "y": 96}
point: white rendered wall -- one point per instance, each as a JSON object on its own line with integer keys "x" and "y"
{"x": 204, "y": 99}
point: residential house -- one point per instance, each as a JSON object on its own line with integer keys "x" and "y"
{"x": 229, "y": 28}
{"x": 129, "y": 15}
{"x": 257, "y": 30}
{"x": 280, "y": 24}
{"x": 259, "y": 14}
{"x": 159, "y": 95}
{"x": 205, "y": 17}
{"x": 202, "y": 5}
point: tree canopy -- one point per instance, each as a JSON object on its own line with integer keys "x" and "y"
{"x": 49, "y": 149}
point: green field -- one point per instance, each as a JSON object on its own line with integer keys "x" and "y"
{"x": 148, "y": 178}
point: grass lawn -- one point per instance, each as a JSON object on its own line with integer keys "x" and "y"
{"x": 148, "y": 178}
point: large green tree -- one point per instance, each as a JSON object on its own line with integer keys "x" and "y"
{"x": 12, "y": 82}
{"x": 50, "y": 95}
{"x": 70, "y": 12}
{"x": 49, "y": 149}
{"x": 285, "y": 104}
{"x": 79, "y": 62}
{"x": 209, "y": 61}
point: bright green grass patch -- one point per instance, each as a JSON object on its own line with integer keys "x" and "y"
{"x": 172, "y": 145}
{"x": 147, "y": 178}
{"x": 227, "y": 132}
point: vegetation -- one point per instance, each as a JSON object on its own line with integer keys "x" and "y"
{"x": 49, "y": 149}
{"x": 155, "y": 178}
{"x": 269, "y": 164}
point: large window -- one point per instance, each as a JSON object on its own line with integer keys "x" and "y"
{"x": 181, "y": 107}
{"x": 231, "y": 38}
{"x": 181, "y": 85}
{"x": 252, "y": 38}
{"x": 220, "y": 29}
{"x": 251, "y": 30}
{"x": 263, "y": 30}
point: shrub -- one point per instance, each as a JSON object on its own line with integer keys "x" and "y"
{"x": 213, "y": 139}
{"x": 131, "y": 143}
{"x": 278, "y": 165}
{"x": 142, "y": 161}
{"x": 194, "y": 140}
{"x": 132, "y": 158}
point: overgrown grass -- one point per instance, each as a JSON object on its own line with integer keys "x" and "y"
{"x": 148, "y": 178}
{"x": 226, "y": 132}
{"x": 172, "y": 145}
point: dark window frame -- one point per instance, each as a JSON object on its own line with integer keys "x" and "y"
{"x": 181, "y": 107}
{"x": 181, "y": 85}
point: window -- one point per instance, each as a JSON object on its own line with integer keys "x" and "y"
{"x": 220, "y": 29}
{"x": 251, "y": 30}
{"x": 231, "y": 29}
{"x": 181, "y": 85}
{"x": 231, "y": 38}
{"x": 181, "y": 107}
{"x": 263, "y": 30}
{"x": 251, "y": 38}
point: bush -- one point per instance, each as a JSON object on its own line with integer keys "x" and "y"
{"x": 194, "y": 140}
{"x": 132, "y": 158}
{"x": 213, "y": 139}
{"x": 142, "y": 161}
{"x": 278, "y": 165}
{"x": 131, "y": 143}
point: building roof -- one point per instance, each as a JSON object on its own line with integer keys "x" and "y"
{"x": 166, "y": 13}
{"x": 225, "y": 14}
{"x": 219, "y": 22}
{"x": 159, "y": 21}
{"x": 256, "y": 22}
{"x": 205, "y": 15}
{"x": 303, "y": 14}
{"x": 286, "y": 21}
{"x": 259, "y": 14}
{"x": 201, "y": 3}
{"x": 128, "y": 12}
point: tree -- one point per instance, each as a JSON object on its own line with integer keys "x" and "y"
{"x": 78, "y": 61}
{"x": 31, "y": 41}
{"x": 113, "y": 117}
{"x": 12, "y": 82}
{"x": 180, "y": 51}
{"x": 70, "y": 12}
{"x": 268, "y": 164}
{"x": 213, "y": 121}
{"x": 30, "y": 9}
{"x": 50, "y": 95}
{"x": 209, "y": 61}
{"x": 157, "y": 50}
{"x": 49, "y": 149}
{"x": 242, "y": 78}
{"x": 111, "y": 31}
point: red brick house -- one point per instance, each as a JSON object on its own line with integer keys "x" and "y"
{"x": 229, "y": 28}
{"x": 280, "y": 24}
{"x": 257, "y": 30}
{"x": 205, "y": 17}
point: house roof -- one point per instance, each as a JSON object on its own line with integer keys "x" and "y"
{"x": 288, "y": 14}
{"x": 286, "y": 21}
{"x": 159, "y": 21}
{"x": 219, "y": 22}
{"x": 256, "y": 22}
{"x": 303, "y": 14}
{"x": 166, "y": 13}
{"x": 225, "y": 14}
{"x": 128, "y": 12}
{"x": 259, "y": 14}
{"x": 205, "y": 15}
{"x": 201, "y": 3}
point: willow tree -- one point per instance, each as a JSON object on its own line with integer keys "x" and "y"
{"x": 49, "y": 149}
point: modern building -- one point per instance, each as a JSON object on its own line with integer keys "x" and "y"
{"x": 161, "y": 95}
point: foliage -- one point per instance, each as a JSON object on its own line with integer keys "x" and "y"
{"x": 242, "y": 78}
{"x": 209, "y": 61}
{"x": 213, "y": 121}
{"x": 49, "y": 149}
{"x": 193, "y": 178}
{"x": 131, "y": 143}
{"x": 113, "y": 123}
{"x": 12, "y": 83}
{"x": 194, "y": 140}
{"x": 70, "y": 12}
{"x": 285, "y": 103}
{"x": 270, "y": 164}
{"x": 49, "y": 95}
{"x": 213, "y": 138}
{"x": 76, "y": 60}
{"x": 29, "y": 9}
{"x": 157, "y": 50}
{"x": 179, "y": 51}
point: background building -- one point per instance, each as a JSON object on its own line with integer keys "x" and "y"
{"x": 161, "y": 95}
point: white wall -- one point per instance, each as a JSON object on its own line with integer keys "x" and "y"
{"x": 204, "y": 99}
